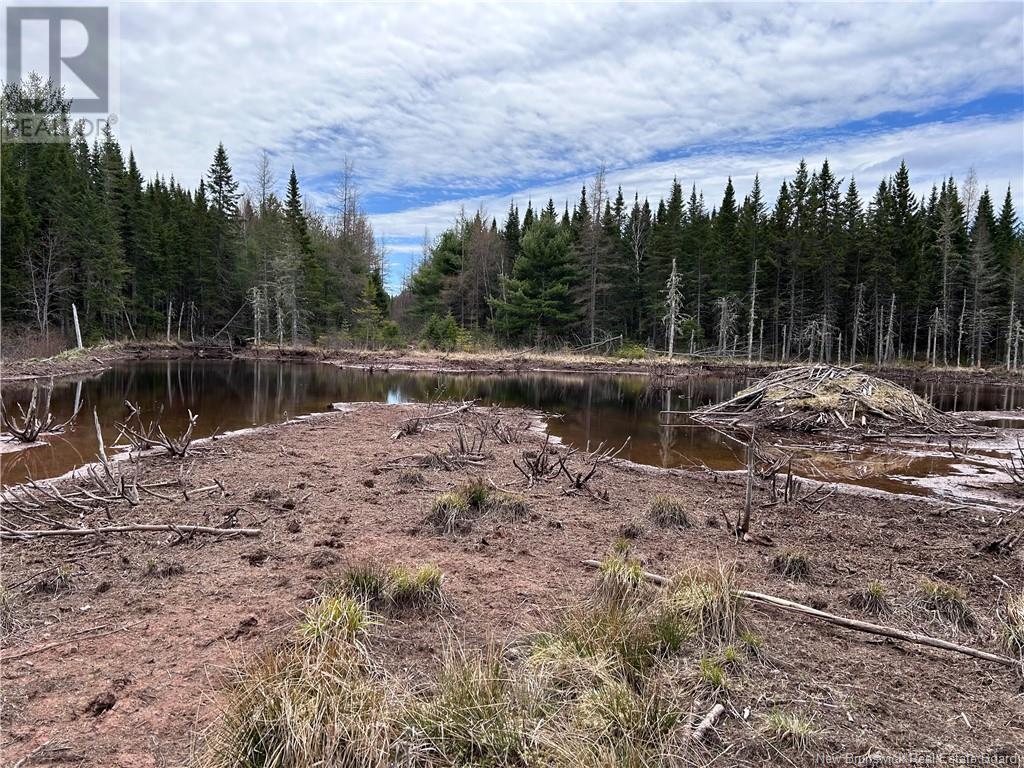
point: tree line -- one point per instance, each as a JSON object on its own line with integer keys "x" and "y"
{"x": 819, "y": 275}
{"x": 152, "y": 258}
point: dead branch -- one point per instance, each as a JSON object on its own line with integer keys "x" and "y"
{"x": 708, "y": 722}
{"x": 143, "y": 436}
{"x": 178, "y": 528}
{"x": 592, "y": 462}
{"x": 32, "y": 424}
{"x": 843, "y": 621}
{"x": 538, "y": 467}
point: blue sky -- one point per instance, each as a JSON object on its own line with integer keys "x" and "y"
{"x": 451, "y": 106}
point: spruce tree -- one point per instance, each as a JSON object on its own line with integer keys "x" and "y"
{"x": 538, "y": 305}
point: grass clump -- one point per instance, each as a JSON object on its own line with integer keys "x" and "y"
{"x": 334, "y": 617}
{"x": 703, "y": 598}
{"x": 789, "y": 729}
{"x": 512, "y": 507}
{"x": 1012, "y": 620}
{"x": 422, "y": 586}
{"x": 872, "y": 600}
{"x": 8, "y": 621}
{"x": 668, "y": 512}
{"x": 711, "y": 674}
{"x": 375, "y": 585}
{"x": 457, "y": 510}
{"x": 450, "y": 512}
{"x": 294, "y": 706}
{"x": 752, "y": 643}
{"x": 946, "y": 604}
{"x": 475, "y": 715}
{"x": 623, "y": 725}
{"x": 620, "y": 578}
{"x": 412, "y": 478}
{"x": 61, "y": 580}
{"x": 792, "y": 564}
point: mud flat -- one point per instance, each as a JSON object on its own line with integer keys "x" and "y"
{"x": 119, "y": 647}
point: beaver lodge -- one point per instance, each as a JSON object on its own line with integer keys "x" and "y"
{"x": 827, "y": 398}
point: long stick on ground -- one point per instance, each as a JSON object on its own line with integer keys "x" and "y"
{"x": 843, "y": 621}
{"x": 460, "y": 409}
{"x": 167, "y": 527}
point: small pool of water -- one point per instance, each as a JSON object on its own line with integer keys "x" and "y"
{"x": 591, "y": 409}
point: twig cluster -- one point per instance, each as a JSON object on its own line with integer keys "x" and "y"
{"x": 32, "y": 424}
{"x": 101, "y": 486}
{"x": 826, "y": 398}
{"x": 143, "y": 436}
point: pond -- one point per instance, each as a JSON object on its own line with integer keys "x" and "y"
{"x": 588, "y": 409}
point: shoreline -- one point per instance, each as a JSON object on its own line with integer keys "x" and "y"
{"x": 99, "y": 358}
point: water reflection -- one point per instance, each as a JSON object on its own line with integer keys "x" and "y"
{"x": 241, "y": 393}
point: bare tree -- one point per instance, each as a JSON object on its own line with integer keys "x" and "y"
{"x": 983, "y": 279}
{"x": 48, "y": 272}
{"x": 593, "y": 237}
{"x": 949, "y": 258}
{"x": 674, "y": 304}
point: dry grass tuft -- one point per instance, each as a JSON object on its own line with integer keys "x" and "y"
{"x": 711, "y": 675}
{"x": 476, "y": 713}
{"x": 333, "y": 617}
{"x": 375, "y": 585}
{"x": 1012, "y": 620}
{"x": 789, "y": 729}
{"x": 412, "y": 478}
{"x": 668, "y": 512}
{"x": 946, "y": 604}
{"x": 301, "y": 705}
{"x": 703, "y": 598}
{"x": 457, "y": 510}
{"x": 8, "y": 617}
{"x": 792, "y": 564}
{"x": 872, "y": 600}
{"x": 621, "y": 578}
{"x": 451, "y": 513}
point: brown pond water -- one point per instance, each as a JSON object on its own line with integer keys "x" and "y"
{"x": 592, "y": 409}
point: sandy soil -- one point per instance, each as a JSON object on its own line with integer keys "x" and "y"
{"x": 147, "y": 630}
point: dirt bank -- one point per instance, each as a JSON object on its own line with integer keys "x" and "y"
{"x": 126, "y": 654}
{"x": 493, "y": 361}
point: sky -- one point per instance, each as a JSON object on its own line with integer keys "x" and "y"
{"x": 448, "y": 106}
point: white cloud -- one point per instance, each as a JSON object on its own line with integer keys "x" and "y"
{"x": 445, "y": 100}
{"x": 994, "y": 147}
{"x": 469, "y": 96}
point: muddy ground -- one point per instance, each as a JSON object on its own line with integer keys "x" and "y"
{"x": 121, "y": 665}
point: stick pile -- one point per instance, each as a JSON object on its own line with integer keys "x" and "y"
{"x": 826, "y": 398}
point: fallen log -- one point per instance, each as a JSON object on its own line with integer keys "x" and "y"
{"x": 164, "y": 527}
{"x": 843, "y": 621}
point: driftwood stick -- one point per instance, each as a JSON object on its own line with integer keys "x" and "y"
{"x": 708, "y": 722}
{"x": 74, "y": 636}
{"x": 166, "y": 527}
{"x": 843, "y": 621}
{"x": 460, "y": 409}
{"x": 874, "y": 629}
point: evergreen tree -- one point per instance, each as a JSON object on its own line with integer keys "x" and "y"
{"x": 539, "y": 306}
